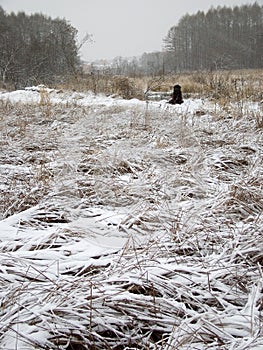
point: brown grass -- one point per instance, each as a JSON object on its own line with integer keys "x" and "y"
{"x": 185, "y": 195}
{"x": 220, "y": 85}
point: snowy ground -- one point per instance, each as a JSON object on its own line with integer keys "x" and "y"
{"x": 127, "y": 225}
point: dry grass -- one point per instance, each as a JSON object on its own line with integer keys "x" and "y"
{"x": 224, "y": 86}
{"x": 184, "y": 194}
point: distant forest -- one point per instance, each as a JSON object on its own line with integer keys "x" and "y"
{"x": 221, "y": 38}
{"x": 37, "y": 49}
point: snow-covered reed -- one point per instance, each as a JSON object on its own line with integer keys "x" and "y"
{"x": 121, "y": 234}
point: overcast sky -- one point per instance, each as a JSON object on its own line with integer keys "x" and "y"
{"x": 120, "y": 27}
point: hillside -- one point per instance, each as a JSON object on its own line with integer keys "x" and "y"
{"x": 127, "y": 225}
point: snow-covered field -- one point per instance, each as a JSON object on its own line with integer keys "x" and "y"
{"x": 129, "y": 225}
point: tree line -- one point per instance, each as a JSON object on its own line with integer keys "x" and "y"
{"x": 222, "y": 38}
{"x": 36, "y": 49}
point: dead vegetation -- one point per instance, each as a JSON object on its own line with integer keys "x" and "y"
{"x": 224, "y": 86}
{"x": 117, "y": 236}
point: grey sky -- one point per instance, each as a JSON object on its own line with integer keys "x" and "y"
{"x": 120, "y": 27}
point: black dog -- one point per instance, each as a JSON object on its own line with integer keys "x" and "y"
{"x": 176, "y": 96}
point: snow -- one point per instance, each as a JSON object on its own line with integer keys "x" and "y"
{"x": 129, "y": 224}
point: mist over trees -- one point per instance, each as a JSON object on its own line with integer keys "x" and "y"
{"x": 36, "y": 49}
{"x": 222, "y": 38}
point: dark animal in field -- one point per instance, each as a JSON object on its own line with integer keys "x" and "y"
{"x": 176, "y": 96}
